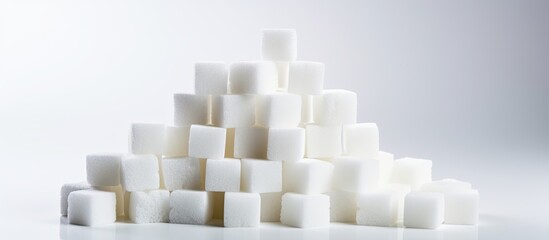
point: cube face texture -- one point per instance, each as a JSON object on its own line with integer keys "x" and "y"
{"x": 91, "y": 208}
{"x": 400, "y": 191}
{"x": 308, "y": 176}
{"x": 261, "y": 176}
{"x": 323, "y": 141}
{"x": 286, "y": 144}
{"x": 356, "y": 175}
{"x": 257, "y": 77}
{"x": 66, "y": 189}
{"x": 270, "y": 206}
{"x": 139, "y": 172}
{"x": 335, "y": 107}
{"x": 279, "y": 110}
{"x": 231, "y": 111}
{"x": 119, "y": 192}
{"x": 176, "y": 141}
{"x": 461, "y": 208}
{"x": 305, "y": 211}
{"x": 306, "y": 78}
{"x": 342, "y": 206}
{"x": 223, "y": 175}
{"x": 361, "y": 139}
{"x": 191, "y": 207}
{"x": 412, "y": 171}
{"x": 211, "y": 78}
{"x": 423, "y": 210}
{"x": 182, "y": 173}
{"x": 147, "y": 138}
{"x": 377, "y": 209}
{"x": 279, "y": 45}
{"x": 150, "y": 207}
{"x": 282, "y": 70}
{"x": 250, "y": 142}
{"x": 242, "y": 209}
{"x": 207, "y": 142}
{"x": 103, "y": 169}
{"x": 191, "y": 109}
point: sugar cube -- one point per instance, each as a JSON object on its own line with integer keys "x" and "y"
{"x": 282, "y": 70}
{"x": 119, "y": 197}
{"x": 270, "y": 206}
{"x": 412, "y": 171}
{"x": 250, "y": 142}
{"x": 400, "y": 190}
{"x": 242, "y": 209}
{"x": 377, "y": 208}
{"x": 191, "y": 109}
{"x": 139, "y": 172}
{"x": 335, "y": 107}
{"x": 306, "y": 78}
{"x": 255, "y": 77}
{"x": 91, "y": 208}
{"x": 176, "y": 141}
{"x": 461, "y": 207}
{"x": 447, "y": 185}
{"x": 103, "y": 169}
{"x": 230, "y": 111}
{"x": 261, "y": 176}
{"x": 279, "y": 45}
{"x": 147, "y": 138}
{"x": 306, "y": 109}
{"x": 286, "y": 144}
{"x": 210, "y": 78}
{"x": 342, "y": 206}
{"x": 150, "y": 207}
{"x": 223, "y": 175}
{"x": 207, "y": 142}
{"x": 66, "y": 189}
{"x": 305, "y": 211}
{"x": 181, "y": 173}
{"x": 323, "y": 141}
{"x": 361, "y": 139}
{"x": 423, "y": 210}
{"x": 308, "y": 176}
{"x": 191, "y": 207}
{"x": 278, "y": 110}
{"x": 354, "y": 174}
{"x": 386, "y": 161}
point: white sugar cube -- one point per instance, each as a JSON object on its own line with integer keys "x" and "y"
{"x": 91, "y": 208}
{"x": 270, "y": 206}
{"x": 342, "y": 206}
{"x": 103, "y": 169}
{"x": 242, "y": 209}
{"x": 279, "y": 110}
{"x": 286, "y": 144}
{"x": 361, "y": 139}
{"x": 181, "y": 173}
{"x": 306, "y": 109}
{"x": 261, "y": 176}
{"x": 323, "y": 141}
{"x": 223, "y": 175}
{"x": 176, "y": 141}
{"x": 400, "y": 190}
{"x": 150, "y": 207}
{"x": 306, "y": 78}
{"x": 207, "y": 142}
{"x": 257, "y": 77}
{"x": 412, "y": 171}
{"x": 210, "y": 78}
{"x": 423, "y": 210}
{"x": 147, "y": 138}
{"x": 279, "y": 45}
{"x": 386, "y": 161}
{"x": 308, "y": 176}
{"x": 335, "y": 107}
{"x": 139, "y": 172}
{"x": 191, "y": 207}
{"x": 282, "y": 70}
{"x": 250, "y": 142}
{"x": 66, "y": 189}
{"x": 119, "y": 197}
{"x": 461, "y": 208}
{"x": 191, "y": 109}
{"x": 305, "y": 211}
{"x": 230, "y": 111}
{"x": 378, "y": 208}
{"x": 355, "y": 174}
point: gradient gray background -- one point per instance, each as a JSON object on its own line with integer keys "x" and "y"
{"x": 464, "y": 83}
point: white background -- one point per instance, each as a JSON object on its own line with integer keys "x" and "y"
{"x": 464, "y": 83}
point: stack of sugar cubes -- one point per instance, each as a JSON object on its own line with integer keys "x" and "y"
{"x": 262, "y": 141}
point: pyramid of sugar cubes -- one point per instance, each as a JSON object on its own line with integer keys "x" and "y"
{"x": 263, "y": 141}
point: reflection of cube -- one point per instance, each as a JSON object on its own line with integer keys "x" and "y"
{"x": 423, "y": 210}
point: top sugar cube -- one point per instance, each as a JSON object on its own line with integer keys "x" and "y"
{"x": 279, "y": 45}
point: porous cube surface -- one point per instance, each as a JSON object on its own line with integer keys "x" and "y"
{"x": 207, "y": 142}
{"x": 176, "y": 141}
{"x": 308, "y": 176}
{"x": 253, "y": 77}
{"x": 461, "y": 208}
{"x": 323, "y": 141}
{"x": 335, "y": 107}
{"x": 278, "y": 110}
{"x": 147, "y": 138}
{"x": 181, "y": 173}
{"x": 231, "y": 111}
{"x": 355, "y": 174}
{"x": 210, "y": 78}
{"x": 361, "y": 139}
{"x": 191, "y": 109}
{"x": 306, "y": 78}
{"x": 223, "y": 175}
{"x": 139, "y": 172}
{"x": 91, "y": 208}
{"x": 250, "y": 142}
{"x": 270, "y": 206}
{"x": 150, "y": 207}
{"x": 286, "y": 144}
{"x": 242, "y": 209}
{"x": 119, "y": 197}
{"x": 412, "y": 171}
{"x": 279, "y": 45}
{"x": 103, "y": 169}
{"x": 378, "y": 208}
{"x": 191, "y": 207}
{"x": 400, "y": 190}
{"x": 66, "y": 189}
{"x": 282, "y": 70}
{"x": 423, "y": 210}
{"x": 342, "y": 206}
{"x": 305, "y": 211}
{"x": 261, "y": 176}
